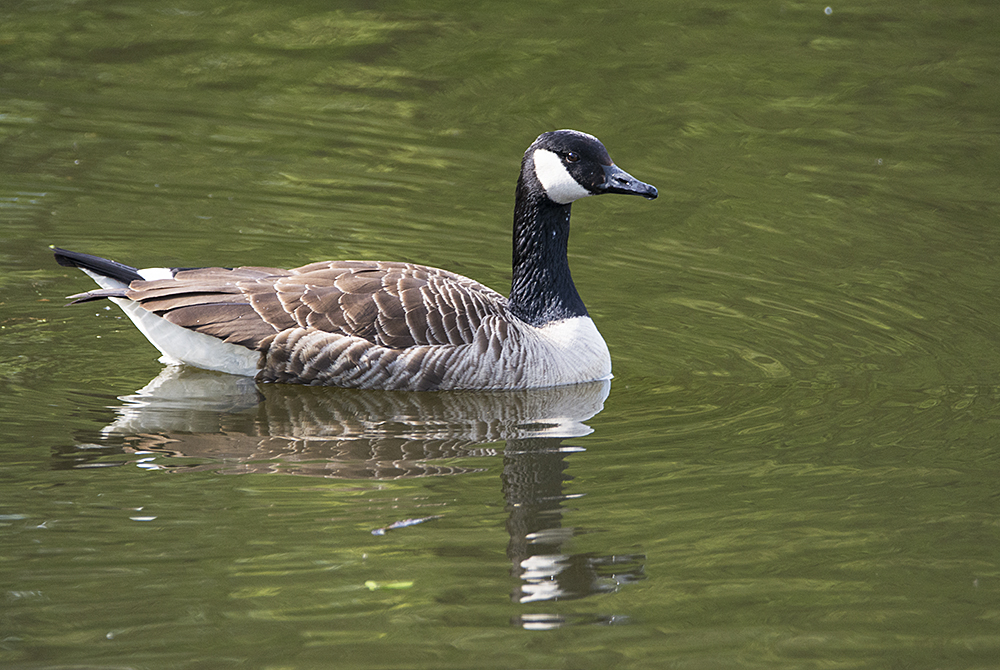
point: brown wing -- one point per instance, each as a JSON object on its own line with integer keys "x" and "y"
{"x": 392, "y": 304}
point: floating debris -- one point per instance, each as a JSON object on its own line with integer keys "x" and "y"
{"x": 376, "y": 586}
{"x": 405, "y": 523}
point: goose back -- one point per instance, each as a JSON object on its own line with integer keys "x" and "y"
{"x": 395, "y": 305}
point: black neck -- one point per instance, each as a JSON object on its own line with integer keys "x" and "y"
{"x": 542, "y": 289}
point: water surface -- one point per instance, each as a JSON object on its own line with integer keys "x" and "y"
{"x": 795, "y": 465}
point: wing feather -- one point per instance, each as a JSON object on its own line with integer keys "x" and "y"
{"x": 395, "y": 305}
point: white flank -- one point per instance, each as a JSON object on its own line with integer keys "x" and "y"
{"x": 558, "y": 183}
{"x": 151, "y": 274}
{"x": 180, "y": 345}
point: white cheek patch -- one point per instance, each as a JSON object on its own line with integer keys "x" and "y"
{"x": 559, "y": 184}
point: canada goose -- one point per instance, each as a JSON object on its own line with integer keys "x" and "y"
{"x": 383, "y": 325}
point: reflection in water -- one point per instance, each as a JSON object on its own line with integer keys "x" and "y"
{"x": 233, "y": 425}
{"x": 533, "y": 488}
{"x": 227, "y": 424}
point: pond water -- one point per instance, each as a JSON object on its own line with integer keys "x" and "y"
{"x": 795, "y": 466}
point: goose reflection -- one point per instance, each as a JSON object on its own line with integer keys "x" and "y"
{"x": 206, "y": 421}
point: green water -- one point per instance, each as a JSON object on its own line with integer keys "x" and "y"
{"x": 795, "y": 466}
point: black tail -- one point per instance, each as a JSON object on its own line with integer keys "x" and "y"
{"x": 96, "y": 264}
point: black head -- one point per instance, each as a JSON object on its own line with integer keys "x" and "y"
{"x": 569, "y": 165}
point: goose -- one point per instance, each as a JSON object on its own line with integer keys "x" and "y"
{"x": 391, "y": 325}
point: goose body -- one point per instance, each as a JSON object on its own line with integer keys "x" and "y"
{"x": 385, "y": 325}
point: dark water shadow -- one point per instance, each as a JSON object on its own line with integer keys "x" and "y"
{"x": 188, "y": 420}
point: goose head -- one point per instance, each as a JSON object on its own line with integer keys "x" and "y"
{"x": 559, "y": 168}
{"x": 568, "y": 165}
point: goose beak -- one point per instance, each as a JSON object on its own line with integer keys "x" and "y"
{"x": 617, "y": 180}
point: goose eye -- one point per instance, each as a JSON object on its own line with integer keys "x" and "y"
{"x": 572, "y": 157}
